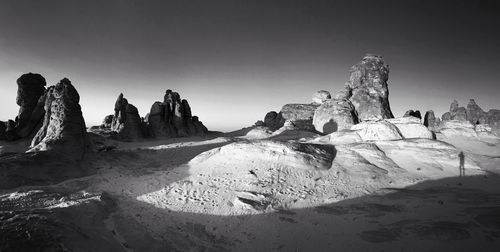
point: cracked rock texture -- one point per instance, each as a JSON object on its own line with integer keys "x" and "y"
{"x": 368, "y": 89}
{"x": 63, "y": 130}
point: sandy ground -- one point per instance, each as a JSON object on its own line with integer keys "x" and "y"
{"x": 184, "y": 195}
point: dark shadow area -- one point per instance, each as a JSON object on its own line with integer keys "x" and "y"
{"x": 46, "y": 168}
{"x": 459, "y": 214}
{"x": 330, "y": 127}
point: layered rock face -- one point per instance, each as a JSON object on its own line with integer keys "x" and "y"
{"x": 63, "y": 130}
{"x": 334, "y": 115}
{"x": 382, "y": 130}
{"x": 173, "y": 118}
{"x": 473, "y": 113}
{"x": 367, "y": 88}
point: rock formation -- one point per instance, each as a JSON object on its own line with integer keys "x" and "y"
{"x": 473, "y": 113}
{"x": 2, "y": 130}
{"x": 321, "y": 96}
{"x": 126, "y": 121}
{"x": 413, "y": 113}
{"x": 106, "y": 122}
{"x": 63, "y": 130}
{"x": 30, "y": 88}
{"x": 173, "y": 118}
{"x": 273, "y": 120}
{"x": 301, "y": 115}
{"x": 493, "y": 117}
{"x": 430, "y": 120}
{"x": 10, "y": 131}
{"x": 377, "y": 131}
{"x": 333, "y": 115}
{"x": 367, "y": 88}
{"x": 456, "y": 113}
{"x": 30, "y": 91}
{"x": 411, "y": 127}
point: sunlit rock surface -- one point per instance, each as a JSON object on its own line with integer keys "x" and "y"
{"x": 367, "y": 88}
{"x": 63, "y": 130}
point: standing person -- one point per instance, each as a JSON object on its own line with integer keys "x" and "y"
{"x": 462, "y": 163}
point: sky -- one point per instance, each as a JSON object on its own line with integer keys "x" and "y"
{"x": 236, "y": 60}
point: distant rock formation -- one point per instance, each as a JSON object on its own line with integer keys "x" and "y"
{"x": 430, "y": 120}
{"x": 173, "y": 118}
{"x": 473, "y": 113}
{"x": 367, "y": 88}
{"x": 413, "y": 113}
{"x": 320, "y": 96}
{"x": 456, "y": 113}
{"x": 335, "y": 114}
{"x": 126, "y": 121}
{"x": 63, "y": 130}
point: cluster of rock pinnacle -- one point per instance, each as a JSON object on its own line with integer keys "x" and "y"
{"x": 170, "y": 118}
{"x": 52, "y": 118}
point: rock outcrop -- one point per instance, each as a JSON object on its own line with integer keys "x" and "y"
{"x": 173, "y": 118}
{"x": 334, "y": 115}
{"x": 63, "y": 130}
{"x": 382, "y": 130}
{"x": 126, "y": 121}
{"x": 377, "y": 131}
{"x": 430, "y": 120}
{"x": 366, "y": 97}
{"x": 321, "y": 96}
{"x": 301, "y": 115}
{"x": 413, "y": 113}
{"x": 30, "y": 92}
{"x": 493, "y": 117}
{"x": 367, "y": 88}
{"x": 456, "y": 113}
{"x": 411, "y": 127}
{"x": 10, "y": 131}
{"x": 2, "y": 130}
{"x": 30, "y": 87}
{"x": 473, "y": 113}
{"x": 273, "y": 120}
{"x": 106, "y": 122}
{"x": 452, "y": 128}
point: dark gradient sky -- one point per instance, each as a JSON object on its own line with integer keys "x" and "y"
{"x": 236, "y": 60}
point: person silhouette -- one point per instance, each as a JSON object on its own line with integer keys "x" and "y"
{"x": 461, "y": 168}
